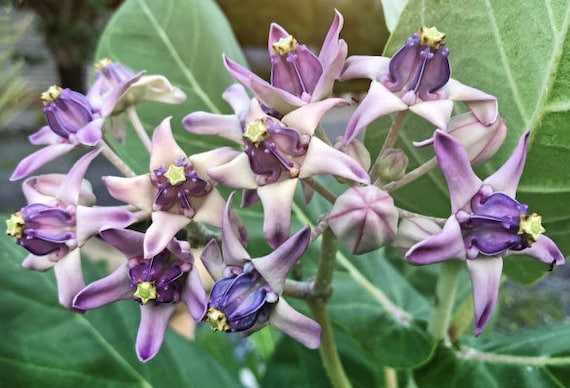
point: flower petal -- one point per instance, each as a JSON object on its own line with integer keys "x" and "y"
{"x": 369, "y": 109}
{"x": 212, "y": 259}
{"x": 506, "y": 178}
{"x": 69, "y": 278}
{"x": 462, "y": 182}
{"x": 236, "y": 174}
{"x": 275, "y": 266}
{"x": 92, "y": 220}
{"x": 37, "y": 263}
{"x": 91, "y": 133}
{"x": 204, "y": 123}
{"x": 437, "y": 112}
{"x": 324, "y": 159}
{"x": 277, "y": 199}
{"x": 194, "y": 295}
{"x": 154, "y": 320}
{"x": 306, "y": 118}
{"x": 111, "y": 288}
{"x": 209, "y": 209}
{"x": 448, "y": 244}
{"x": 544, "y": 250}
{"x": 485, "y": 275}
{"x": 216, "y": 157}
{"x": 296, "y": 325}
{"x": 137, "y": 191}
{"x": 164, "y": 227}
{"x": 127, "y": 241}
{"x": 39, "y": 158}
{"x": 165, "y": 151}
{"x": 483, "y": 105}
{"x": 364, "y": 66}
{"x": 71, "y": 187}
{"x": 237, "y": 97}
{"x": 44, "y": 136}
{"x": 232, "y": 248}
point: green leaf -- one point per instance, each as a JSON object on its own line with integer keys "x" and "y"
{"x": 44, "y": 344}
{"x": 183, "y": 40}
{"x": 538, "y": 358}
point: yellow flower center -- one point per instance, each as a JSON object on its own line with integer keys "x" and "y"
{"x": 431, "y": 37}
{"x": 15, "y": 225}
{"x": 217, "y": 320}
{"x": 255, "y": 132}
{"x": 103, "y": 63}
{"x": 175, "y": 175}
{"x": 145, "y": 291}
{"x": 285, "y": 45}
{"x": 51, "y": 94}
{"x": 531, "y": 227}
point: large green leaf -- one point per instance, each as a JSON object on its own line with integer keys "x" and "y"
{"x": 44, "y": 344}
{"x": 518, "y": 52}
{"x": 183, "y": 40}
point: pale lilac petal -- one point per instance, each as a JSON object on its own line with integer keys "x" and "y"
{"x": 483, "y": 105}
{"x": 92, "y": 220}
{"x": 544, "y": 250}
{"x": 276, "y": 32}
{"x": 485, "y": 275}
{"x": 194, "y": 295}
{"x": 236, "y": 174}
{"x": 111, "y": 288}
{"x": 370, "y": 109}
{"x": 506, "y": 178}
{"x": 128, "y": 241}
{"x": 154, "y": 320}
{"x": 331, "y": 43}
{"x": 437, "y": 112}
{"x": 91, "y": 133}
{"x": 44, "y": 136}
{"x": 204, "y": 123}
{"x": 462, "y": 182}
{"x": 212, "y": 259}
{"x": 307, "y": 117}
{"x": 277, "y": 199}
{"x": 209, "y": 209}
{"x": 44, "y": 189}
{"x": 237, "y": 97}
{"x": 413, "y": 230}
{"x": 69, "y": 278}
{"x": 296, "y": 325}
{"x": 37, "y": 263}
{"x": 234, "y": 252}
{"x": 39, "y": 158}
{"x": 448, "y": 244}
{"x": 137, "y": 191}
{"x": 165, "y": 151}
{"x": 364, "y": 66}
{"x": 71, "y": 187}
{"x": 110, "y": 100}
{"x": 155, "y": 88}
{"x": 216, "y": 157}
{"x": 164, "y": 227}
{"x": 324, "y": 159}
{"x": 275, "y": 266}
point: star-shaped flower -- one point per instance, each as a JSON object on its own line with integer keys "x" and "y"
{"x": 486, "y": 224}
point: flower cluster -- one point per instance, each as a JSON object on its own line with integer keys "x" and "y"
{"x": 279, "y": 146}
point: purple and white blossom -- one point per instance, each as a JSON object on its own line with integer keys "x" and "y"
{"x": 487, "y": 223}
{"x": 157, "y": 284}
{"x": 297, "y": 75}
{"x": 417, "y": 77}
{"x": 58, "y": 220}
{"x": 247, "y": 294}
{"x": 277, "y": 153}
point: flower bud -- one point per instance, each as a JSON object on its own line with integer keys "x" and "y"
{"x": 355, "y": 149}
{"x": 391, "y": 166}
{"x": 364, "y": 219}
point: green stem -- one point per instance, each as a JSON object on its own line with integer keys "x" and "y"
{"x": 393, "y": 133}
{"x": 444, "y": 297}
{"x": 139, "y": 128}
{"x": 322, "y": 190}
{"x": 411, "y": 176}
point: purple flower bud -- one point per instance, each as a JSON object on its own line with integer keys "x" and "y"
{"x": 364, "y": 219}
{"x": 421, "y": 66}
{"x": 177, "y": 185}
{"x": 66, "y": 111}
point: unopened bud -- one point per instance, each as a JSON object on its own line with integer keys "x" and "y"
{"x": 391, "y": 165}
{"x": 355, "y": 149}
{"x": 364, "y": 218}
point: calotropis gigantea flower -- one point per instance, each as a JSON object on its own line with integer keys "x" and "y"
{"x": 417, "y": 78}
{"x": 247, "y": 292}
{"x": 58, "y": 220}
{"x": 72, "y": 122}
{"x": 157, "y": 284}
{"x": 277, "y": 153}
{"x": 486, "y": 224}
{"x": 297, "y": 75}
{"x": 177, "y": 189}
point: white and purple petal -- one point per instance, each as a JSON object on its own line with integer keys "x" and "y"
{"x": 296, "y": 325}
{"x": 277, "y": 200}
{"x": 485, "y": 273}
{"x": 111, "y": 288}
{"x": 154, "y": 321}
{"x": 448, "y": 244}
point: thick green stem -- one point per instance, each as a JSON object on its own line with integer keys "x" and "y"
{"x": 329, "y": 247}
{"x": 444, "y": 297}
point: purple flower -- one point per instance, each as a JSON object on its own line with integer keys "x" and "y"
{"x": 58, "y": 221}
{"x": 277, "y": 153}
{"x": 417, "y": 78}
{"x": 72, "y": 122}
{"x": 176, "y": 190}
{"x": 297, "y": 75}
{"x": 157, "y": 284}
{"x": 487, "y": 223}
{"x": 247, "y": 292}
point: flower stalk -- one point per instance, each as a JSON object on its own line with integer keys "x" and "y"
{"x": 139, "y": 128}
{"x": 444, "y": 297}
